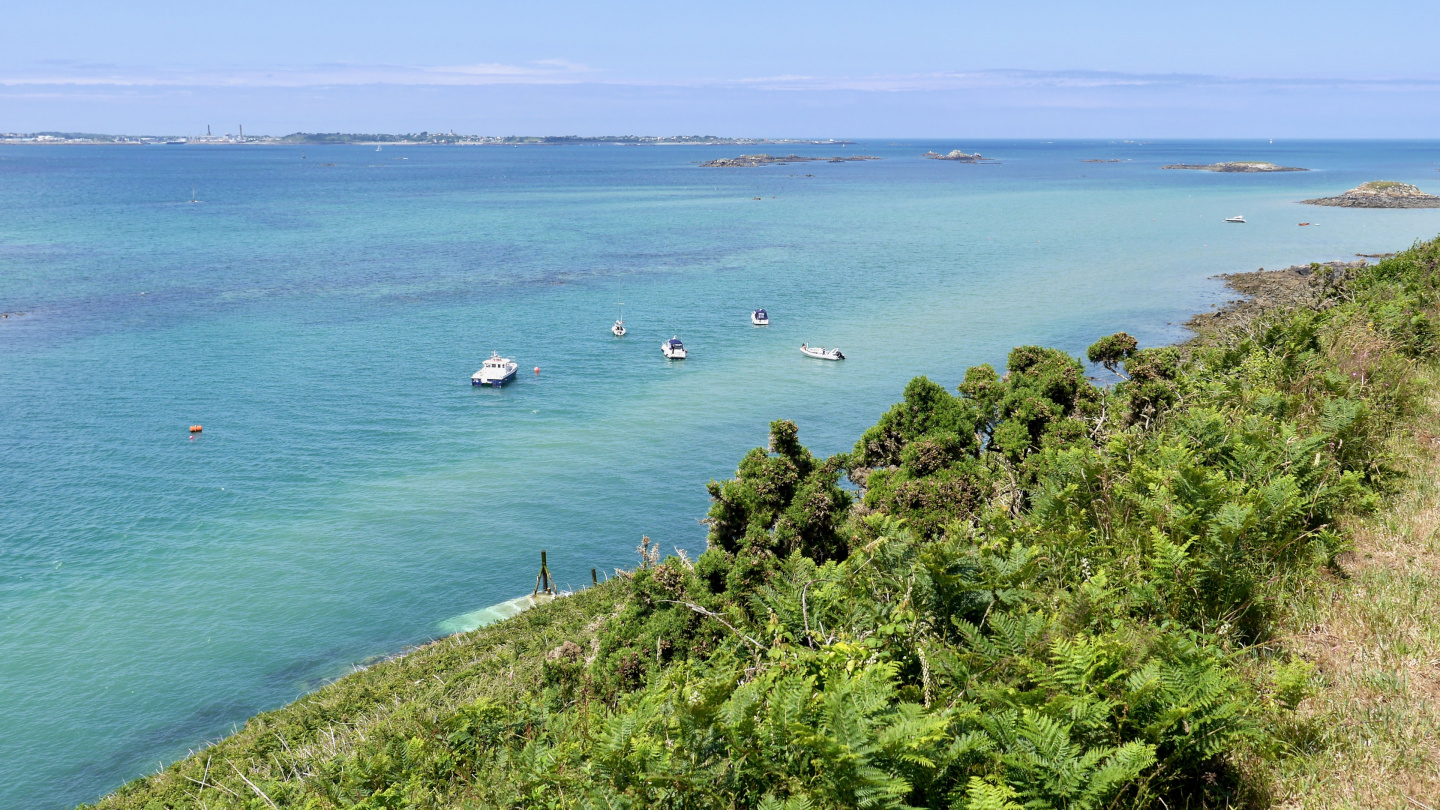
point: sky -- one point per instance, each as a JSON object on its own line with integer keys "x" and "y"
{"x": 1106, "y": 68}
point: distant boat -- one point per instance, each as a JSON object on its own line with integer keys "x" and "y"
{"x": 192, "y": 195}
{"x": 1240, "y": 220}
{"x": 377, "y": 148}
{"x": 497, "y": 371}
{"x": 673, "y": 349}
{"x": 821, "y": 353}
{"x": 760, "y": 317}
{"x": 618, "y": 330}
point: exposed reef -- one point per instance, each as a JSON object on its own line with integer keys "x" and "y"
{"x": 1296, "y": 285}
{"x": 771, "y": 160}
{"x": 1380, "y": 194}
{"x": 1243, "y": 166}
{"x": 957, "y": 155}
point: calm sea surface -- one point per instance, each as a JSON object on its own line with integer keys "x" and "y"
{"x": 320, "y": 314}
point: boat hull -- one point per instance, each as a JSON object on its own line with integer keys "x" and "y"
{"x": 494, "y": 382}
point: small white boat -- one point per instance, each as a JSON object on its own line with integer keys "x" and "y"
{"x": 377, "y": 147}
{"x": 618, "y": 330}
{"x": 673, "y": 349}
{"x": 760, "y": 317}
{"x": 1240, "y": 220}
{"x": 497, "y": 371}
{"x": 821, "y": 353}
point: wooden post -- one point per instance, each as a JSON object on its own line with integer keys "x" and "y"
{"x": 593, "y": 579}
{"x": 543, "y": 582}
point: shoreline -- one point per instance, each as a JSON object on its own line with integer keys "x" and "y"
{"x": 1265, "y": 290}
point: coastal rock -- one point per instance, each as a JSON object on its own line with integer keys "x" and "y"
{"x": 956, "y": 155}
{"x": 770, "y": 160}
{"x": 1380, "y": 194}
{"x": 1297, "y": 285}
{"x": 1243, "y": 166}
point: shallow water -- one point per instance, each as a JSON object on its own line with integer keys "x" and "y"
{"x": 320, "y": 314}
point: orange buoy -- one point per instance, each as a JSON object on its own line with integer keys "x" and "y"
{"x": 196, "y": 428}
{"x": 537, "y": 369}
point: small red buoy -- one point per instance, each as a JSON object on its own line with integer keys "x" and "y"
{"x": 196, "y": 428}
{"x": 537, "y": 369}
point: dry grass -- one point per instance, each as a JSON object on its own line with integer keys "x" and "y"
{"x": 1370, "y": 736}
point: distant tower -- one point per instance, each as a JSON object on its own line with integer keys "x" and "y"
{"x": 242, "y": 132}
{"x": 207, "y": 130}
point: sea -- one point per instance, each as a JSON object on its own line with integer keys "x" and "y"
{"x": 319, "y": 311}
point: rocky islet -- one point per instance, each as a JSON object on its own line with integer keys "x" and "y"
{"x": 746, "y": 161}
{"x": 1236, "y": 166}
{"x": 958, "y": 156}
{"x": 1380, "y": 194}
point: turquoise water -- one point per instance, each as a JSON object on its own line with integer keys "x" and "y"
{"x": 320, "y": 314}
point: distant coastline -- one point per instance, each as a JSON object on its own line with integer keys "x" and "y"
{"x": 407, "y": 139}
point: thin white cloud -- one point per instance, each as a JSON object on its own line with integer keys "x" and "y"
{"x": 562, "y": 71}
{"x": 549, "y": 71}
{"x": 1059, "y": 80}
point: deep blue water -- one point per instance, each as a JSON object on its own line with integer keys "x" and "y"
{"x": 320, "y": 314}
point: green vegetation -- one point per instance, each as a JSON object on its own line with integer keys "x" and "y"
{"x": 1045, "y": 594}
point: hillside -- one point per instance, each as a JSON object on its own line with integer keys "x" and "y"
{"x": 1045, "y": 594}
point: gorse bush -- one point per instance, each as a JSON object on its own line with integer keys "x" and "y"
{"x": 1038, "y": 597}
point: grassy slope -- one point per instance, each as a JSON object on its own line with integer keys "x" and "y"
{"x": 1374, "y": 634}
{"x": 500, "y": 662}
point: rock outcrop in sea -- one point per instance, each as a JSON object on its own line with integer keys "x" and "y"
{"x": 1297, "y": 285}
{"x": 1380, "y": 194}
{"x": 1244, "y": 166}
{"x": 956, "y": 155}
{"x": 771, "y": 160}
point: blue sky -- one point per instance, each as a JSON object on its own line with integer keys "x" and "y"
{"x": 957, "y": 69}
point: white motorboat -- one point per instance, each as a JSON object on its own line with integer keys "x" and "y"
{"x": 821, "y": 353}
{"x": 497, "y": 371}
{"x": 760, "y": 317}
{"x": 1240, "y": 220}
{"x": 673, "y": 349}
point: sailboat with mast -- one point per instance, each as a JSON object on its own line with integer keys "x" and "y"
{"x": 618, "y": 330}
{"x": 192, "y": 195}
